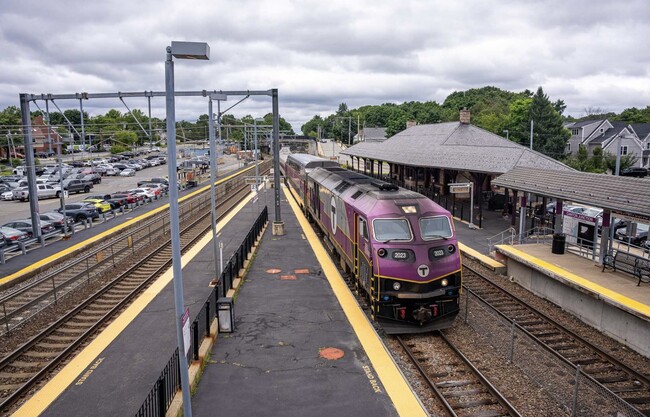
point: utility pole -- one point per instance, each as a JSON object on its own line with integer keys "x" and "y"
{"x": 531, "y": 134}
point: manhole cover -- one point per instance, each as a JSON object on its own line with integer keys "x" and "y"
{"x": 331, "y": 353}
{"x": 273, "y": 271}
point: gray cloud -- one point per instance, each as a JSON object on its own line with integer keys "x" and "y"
{"x": 319, "y": 54}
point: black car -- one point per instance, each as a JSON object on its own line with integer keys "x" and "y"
{"x": 638, "y": 172}
{"x": 80, "y": 211}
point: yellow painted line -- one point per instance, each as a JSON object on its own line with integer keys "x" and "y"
{"x": 103, "y": 235}
{"x": 477, "y": 255}
{"x": 70, "y": 373}
{"x": 406, "y": 402}
{"x": 578, "y": 280}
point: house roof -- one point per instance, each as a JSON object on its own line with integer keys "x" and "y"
{"x": 583, "y": 123}
{"x": 601, "y": 138}
{"x": 456, "y": 146}
{"x": 374, "y": 133}
{"x": 620, "y": 194}
{"x": 641, "y": 129}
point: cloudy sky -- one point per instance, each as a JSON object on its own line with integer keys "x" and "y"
{"x": 590, "y": 53}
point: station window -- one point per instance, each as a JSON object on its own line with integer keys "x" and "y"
{"x": 623, "y": 150}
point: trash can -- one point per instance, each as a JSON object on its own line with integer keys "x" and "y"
{"x": 559, "y": 240}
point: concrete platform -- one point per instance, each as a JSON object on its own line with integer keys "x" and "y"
{"x": 302, "y": 346}
{"x": 609, "y": 301}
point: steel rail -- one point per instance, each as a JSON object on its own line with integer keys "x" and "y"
{"x": 81, "y": 339}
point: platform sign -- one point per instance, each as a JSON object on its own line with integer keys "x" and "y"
{"x": 186, "y": 330}
{"x": 460, "y": 188}
{"x": 580, "y": 229}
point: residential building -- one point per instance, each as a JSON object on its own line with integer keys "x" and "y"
{"x": 634, "y": 139}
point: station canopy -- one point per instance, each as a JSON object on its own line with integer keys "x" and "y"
{"x": 625, "y": 196}
{"x": 455, "y": 146}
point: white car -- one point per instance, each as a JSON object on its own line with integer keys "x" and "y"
{"x": 7, "y": 195}
{"x": 144, "y": 191}
{"x": 128, "y": 173}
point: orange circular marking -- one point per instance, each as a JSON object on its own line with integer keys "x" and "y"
{"x": 331, "y": 353}
{"x": 273, "y": 271}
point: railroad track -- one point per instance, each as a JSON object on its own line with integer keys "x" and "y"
{"x": 30, "y": 364}
{"x": 630, "y": 386}
{"x": 19, "y": 305}
{"x": 462, "y": 389}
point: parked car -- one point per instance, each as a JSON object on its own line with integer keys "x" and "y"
{"x": 80, "y": 211}
{"x": 8, "y": 195}
{"x": 145, "y": 192}
{"x": 128, "y": 173}
{"x": 101, "y": 205}
{"x": 42, "y": 191}
{"x": 94, "y": 178}
{"x": 26, "y": 226}
{"x": 11, "y": 235}
{"x": 638, "y": 239}
{"x": 77, "y": 186}
{"x": 156, "y": 181}
{"x": 57, "y": 219}
{"x": 130, "y": 198}
{"x": 638, "y": 172}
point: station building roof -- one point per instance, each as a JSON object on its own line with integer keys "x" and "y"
{"x": 454, "y": 145}
{"x": 625, "y": 195}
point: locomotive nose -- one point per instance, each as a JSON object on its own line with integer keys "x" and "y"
{"x": 422, "y": 314}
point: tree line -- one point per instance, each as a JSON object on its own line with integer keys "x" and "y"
{"x": 502, "y": 112}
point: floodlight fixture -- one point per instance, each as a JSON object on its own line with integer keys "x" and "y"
{"x": 190, "y": 50}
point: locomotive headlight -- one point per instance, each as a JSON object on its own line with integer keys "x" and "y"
{"x": 444, "y": 282}
{"x": 381, "y": 252}
{"x": 397, "y": 286}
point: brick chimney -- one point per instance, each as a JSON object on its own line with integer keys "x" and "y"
{"x": 464, "y": 116}
{"x": 411, "y": 123}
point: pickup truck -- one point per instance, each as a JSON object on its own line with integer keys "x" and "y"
{"x": 77, "y": 186}
{"x": 42, "y": 191}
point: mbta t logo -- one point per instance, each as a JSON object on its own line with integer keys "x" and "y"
{"x": 423, "y": 271}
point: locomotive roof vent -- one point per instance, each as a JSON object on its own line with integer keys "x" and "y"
{"x": 344, "y": 185}
{"x": 357, "y": 195}
{"x": 385, "y": 186}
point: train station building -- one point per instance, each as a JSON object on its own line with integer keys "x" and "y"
{"x": 433, "y": 156}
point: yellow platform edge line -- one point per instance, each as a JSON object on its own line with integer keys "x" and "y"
{"x": 397, "y": 388}
{"x": 578, "y": 280}
{"x": 70, "y": 373}
{"x": 477, "y": 255}
{"x": 107, "y": 233}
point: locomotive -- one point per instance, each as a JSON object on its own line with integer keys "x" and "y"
{"x": 399, "y": 246}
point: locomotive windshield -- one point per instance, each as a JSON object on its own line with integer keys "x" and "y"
{"x": 391, "y": 229}
{"x": 435, "y": 228}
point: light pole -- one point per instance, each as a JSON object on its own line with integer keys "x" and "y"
{"x": 257, "y": 173}
{"x": 507, "y": 132}
{"x": 213, "y": 175}
{"x": 180, "y": 50}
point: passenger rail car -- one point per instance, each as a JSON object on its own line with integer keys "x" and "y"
{"x": 400, "y": 246}
{"x": 296, "y": 168}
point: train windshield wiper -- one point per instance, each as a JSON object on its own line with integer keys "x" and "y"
{"x": 444, "y": 237}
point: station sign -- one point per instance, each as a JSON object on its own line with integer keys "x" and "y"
{"x": 186, "y": 330}
{"x": 635, "y": 218}
{"x": 460, "y": 188}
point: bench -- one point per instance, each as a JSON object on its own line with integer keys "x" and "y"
{"x": 630, "y": 263}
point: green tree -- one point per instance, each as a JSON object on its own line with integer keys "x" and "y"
{"x": 627, "y": 161}
{"x": 10, "y": 116}
{"x": 126, "y": 139}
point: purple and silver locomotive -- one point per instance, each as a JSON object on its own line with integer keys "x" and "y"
{"x": 399, "y": 246}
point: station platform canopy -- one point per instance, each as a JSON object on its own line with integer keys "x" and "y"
{"x": 620, "y": 195}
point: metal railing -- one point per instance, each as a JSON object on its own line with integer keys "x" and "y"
{"x": 507, "y": 236}
{"x": 168, "y": 383}
{"x": 578, "y": 393}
